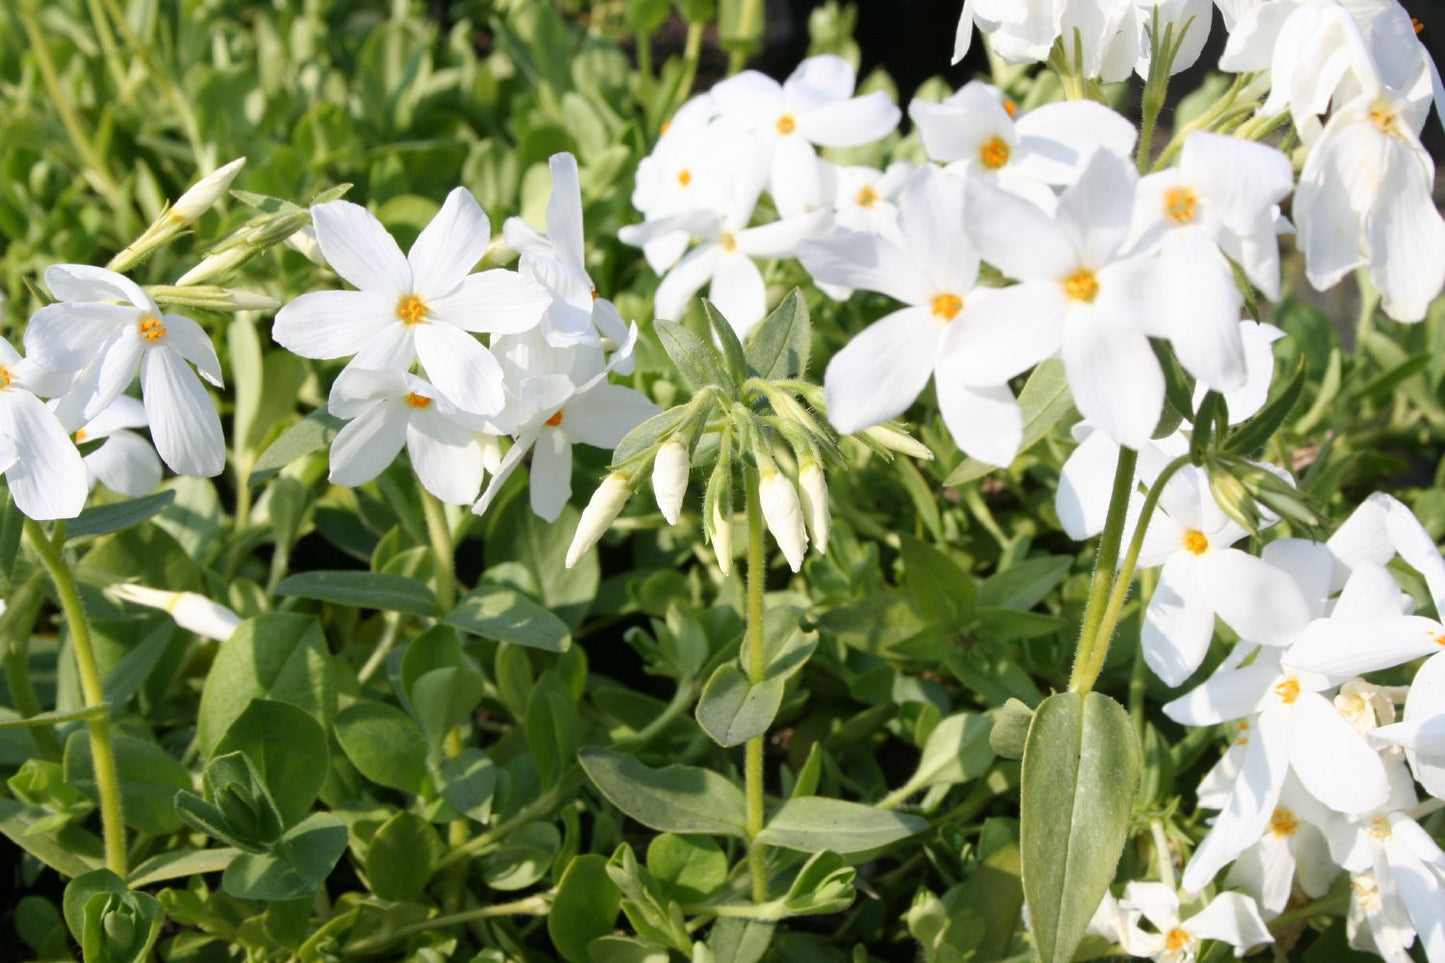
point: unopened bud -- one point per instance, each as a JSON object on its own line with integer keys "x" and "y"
{"x": 214, "y": 264}
{"x": 813, "y": 487}
{"x": 895, "y": 440}
{"x": 211, "y": 298}
{"x": 784, "y": 515}
{"x": 204, "y": 193}
{"x": 304, "y": 240}
{"x": 1278, "y": 495}
{"x": 1230, "y": 495}
{"x": 491, "y": 446}
{"x": 598, "y": 516}
{"x": 721, "y": 534}
{"x": 192, "y": 612}
{"x": 669, "y": 479}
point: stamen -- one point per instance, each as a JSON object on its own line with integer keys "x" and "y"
{"x": 786, "y": 124}
{"x": 1283, "y": 822}
{"x": 1288, "y": 691}
{"x": 994, "y": 153}
{"x": 1196, "y": 542}
{"x": 412, "y": 310}
{"x": 1082, "y": 285}
{"x": 80, "y": 435}
{"x": 1380, "y": 828}
{"x": 1181, "y": 205}
{"x": 727, "y": 241}
{"x": 555, "y": 420}
{"x": 416, "y": 400}
{"x": 867, "y": 196}
{"x": 1386, "y": 121}
{"x": 1418, "y": 24}
{"x": 684, "y": 177}
{"x": 151, "y": 328}
{"x": 946, "y": 306}
{"x": 1177, "y": 939}
{"x": 1010, "y": 108}
{"x": 5, "y": 378}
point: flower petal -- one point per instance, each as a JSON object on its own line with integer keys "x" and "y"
{"x": 1254, "y": 598}
{"x": 878, "y": 374}
{"x": 1178, "y": 623}
{"x": 986, "y": 422}
{"x": 1004, "y": 332}
{"x": 1344, "y": 648}
{"x": 1115, "y": 378}
{"x": 1016, "y": 237}
{"x": 445, "y": 456}
{"x": 126, "y": 464}
{"x": 183, "y": 419}
{"x": 48, "y": 478}
{"x": 82, "y": 282}
{"x": 493, "y": 302}
{"x": 189, "y": 340}
{"x": 333, "y": 324}
{"x": 1332, "y": 759}
{"x": 865, "y": 262}
{"x": 360, "y": 250}
{"x": 683, "y": 281}
{"x": 461, "y": 369}
{"x": 551, "y": 483}
{"x": 564, "y": 212}
{"x": 1231, "y": 918}
{"x": 449, "y": 246}
{"x": 68, "y": 336}
{"x": 738, "y": 291}
{"x": 366, "y": 446}
{"x": 604, "y": 414}
{"x": 860, "y": 120}
{"x": 1203, "y": 309}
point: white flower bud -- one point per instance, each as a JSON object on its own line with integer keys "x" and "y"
{"x": 598, "y": 516}
{"x": 192, "y": 612}
{"x": 898, "y": 441}
{"x": 304, "y": 240}
{"x": 213, "y": 265}
{"x": 669, "y": 479}
{"x": 721, "y": 535}
{"x": 814, "y": 489}
{"x": 250, "y": 300}
{"x": 784, "y": 516}
{"x": 491, "y": 446}
{"x": 205, "y": 192}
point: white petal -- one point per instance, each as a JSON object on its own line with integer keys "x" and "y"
{"x": 850, "y": 123}
{"x": 1232, "y": 918}
{"x": 189, "y": 340}
{"x": 1240, "y": 180}
{"x": 1096, "y": 210}
{"x": 1178, "y": 623}
{"x": 1406, "y": 237}
{"x": 123, "y": 412}
{"x": 183, "y": 420}
{"x": 82, "y": 282}
{"x": 357, "y": 389}
{"x": 495, "y": 302}
{"x": 449, "y": 246}
{"x": 1254, "y": 598}
{"x": 820, "y": 80}
{"x": 68, "y": 336}
{"x": 738, "y": 291}
{"x": 781, "y": 238}
{"x": 1309, "y": 564}
{"x": 444, "y": 456}
{"x": 1329, "y": 225}
{"x": 564, "y": 211}
{"x": 333, "y": 324}
{"x": 986, "y": 423}
{"x": 865, "y": 262}
{"x": 360, "y": 250}
{"x": 366, "y": 446}
{"x": 126, "y": 464}
{"x": 1085, "y": 485}
{"x": 1115, "y": 378}
{"x": 797, "y": 180}
{"x": 956, "y": 131}
{"x": 1372, "y": 593}
{"x": 1157, "y": 902}
{"x": 1204, "y": 305}
{"x": 1016, "y": 237}
{"x": 1225, "y": 695}
{"x": 1344, "y": 648}
{"x": 683, "y": 281}
{"x": 551, "y": 475}
{"x": 931, "y": 217}
{"x": 603, "y": 415}
{"x": 462, "y": 370}
{"x": 878, "y": 374}
{"x": 48, "y": 478}
{"x": 1004, "y": 332}
{"x": 1056, "y": 140}
{"x": 1332, "y": 759}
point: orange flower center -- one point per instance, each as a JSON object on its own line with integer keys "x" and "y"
{"x": 151, "y": 328}
{"x": 1283, "y": 822}
{"x": 1010, "y": 108}
{"x": 786, "y": 124}
{"x": 5, "y": 377}
{"x": 994, "y": 153}
{"x": 1288, "y": 691}
{"x": 1196, "y": 542}
{"x": 1419, "y": 25}
{"x": 412, "y": 310}
{"x": 867, "y": 196}
{"x": 727, "y": 241}
{"x": 946, "y": 306}
{"x": 555, "y": 420}
{"x": 80, "y": 435}
{"x": 416, "y": 400}
{"x": 1242, "y": 727}
{"x": 1082, "y": 285}
{"x": 1181, "y": 204}
{"x": 1386, "y": 121}
{"x": 1177, "y": 939}
{"x": 684, "y": 177}
{"x": 1439, "y": 637}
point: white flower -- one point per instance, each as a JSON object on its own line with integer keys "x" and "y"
{"x": 669, "y": 479}
{"x": 1375, "y": 927}
{"x": 192, "y": 612}
{"x": 124, "y": 462}
{"x": 720, "y": 534}
{"x": 419, "y": 305}
{"x": 107, "y": 342}
{"x": 1024, "y": 31}
{"x": 1422, "y": 733}
{"x": 1292, "y": 849}
{"x": 1231, "y": 918}
{"x": 1086, "y": 480}
{"x": 198, "y": 199}
{"x": 387, "y": 409}
{"x": 1132, "y": 49}
{"x": 784, "y": 515}
{"x": 865, "y": 199}
{"x": 42, "y": 467}
{"x": 601, "y": 511}
{"x": 813, "y": 487}
{"x": 1365, "y": 198}
{"x": 881, "y": 371}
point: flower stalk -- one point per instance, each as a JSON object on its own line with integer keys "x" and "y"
{"x": 753, "y": 650}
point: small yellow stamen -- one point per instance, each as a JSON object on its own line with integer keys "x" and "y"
{"x": 1438, "y": 638}
{"x": 555, "y": 420}
{"x": 1196, "y": 542}
{"x": 1181, "y": 205}
{"x": 994, "y": 153}
{"x": 1288, "y": 691}
{"x": 1386, "y": 121}
{"x": 666, "y": 126}
{"x": 946, "y": 306}
{"x": 786, "y": 124}
{"x": 727, "y": 241}
{"x": 5, "y": 377}
{"x": 684, "y": 177}
{"x": 1418, "y": 24}
{"x": 1082, "y": 285}
{"x": 594, "y": 294}
{"x": 1010, "y": 108}
{"x": 412, "y": 310}
{"x": 1380, "y": 828}
{"x": 1177, "y": 939}
{"x": 80, "y": 435}
{"x": 416, "y": 400}
{"x": 151, "y": 328}
{"x": 1242, "y": 726}
{"x": 1283, "y": 822}
{"x": 867, "y": 196}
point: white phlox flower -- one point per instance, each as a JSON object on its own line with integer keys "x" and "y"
{"x": 1076, "y": 297}
{"x": 106, "y": 329}
{"x": 1231, "y": 918}
{"x": 866, "y": 199}
{"x": 421, "y": 305}
{"x": 601, "y": 511}
{"x": 124, "y": 461}
{"x": 192, "y": 612}
{"x": 1291, "y": 852}
{"x": 1365, "y": 197}
{"x": 1203, "y": 576}
{"x": 200, "y": 196}
{"x": 934, "y": 273}
{"x": 387, "y": 409}
{"x": 814, "y": 106}
{"x": 669, "y": 479}
{"x": 1422, "y": 732}
{"x": 977, "y": 132}
{"x": 41, "y": 465}
{"x": 1373, "y": 926}
{"x": 1024, "y": 31}
{"x": 1132, "y": 49}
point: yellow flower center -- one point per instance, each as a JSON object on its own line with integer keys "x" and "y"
{"x": 1380, "y": 828}
{"x": 1283, "y": 822}
{"x": 727, "y": 241}
{"x": 1082, "y": 285}
{"x": 555, "y": 420}
{"x": 5, "y": 377}
{"x": 786, "y": 124}
{"x": 80, "y": 435}
{"x": 994, "y": 153}
{"x": 1386, "y": 121}
{"x": 684, "y": 177}
{"x": 666, "y": 126}
{"x": 946, "y": 306}
{"x": 151, "y": 328}
{"x": 1288, "y": 691}
{"x": 1196, "y": 542}
{"x": 416, "y": 400}
{"x": 412, "y": 310}
{"x": 1177, "y": 939}
{"x": 867, "y": 196}
{"x": 1010, "y": 108}
{"x": 1181, "y": 204}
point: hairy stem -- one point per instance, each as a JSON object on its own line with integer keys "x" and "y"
{"x": 1083, "y": 677}
{"x": 753, "y": 648}
{"x": 440, "y": 534}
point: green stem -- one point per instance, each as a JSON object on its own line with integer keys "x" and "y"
{"x": 19, "y": 618}
{"x": 1080, "y": 680}
{"x": 681, "y": 700}
{"x": 530, "y": 906}
{"x": 541, "y": 806}
{"x": 458, "y": 831}
{"x": 440, "y": 534}
{"x": 747, "y": 39}
{"x": 101, "y": 750}
{"x": 753, "y": 648}
{"x": 1201, "y": 122}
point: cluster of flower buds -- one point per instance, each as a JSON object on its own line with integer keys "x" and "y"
{"x": 276, "y": 221}
{"x": 197, "y": 200}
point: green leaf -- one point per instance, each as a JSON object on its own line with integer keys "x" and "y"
{"x": 1254, "y": 434}
{"x": 734, "y": 940}
{"x": 516, "y": 534}
{"x": 367, "y": 590}
{"x": 823, "y": 885}
{"x": 384, "y": 745}
{"x": 468, "y": 784}
{"x": 622, "y": 949}
{"x": 1026, "y": 584}
{"x": 1080, "y": 774}
{"x": 1045, "y": 401}
{"x": 811, "y": 824}
{"x": 585, "y": 907}
{"x": 697, "y": 362}
{"x": 780, "y": 345}
{"x": 402, "y": 856}
{"x": 995, "y": 892}
{"x": 732, "y": 711}
{"x": 111, "y": 923}
{"x": 734, "y": 361}
{"x": 312, "y": 433}
{"x": 494, "y": 612}
{"x": 523, "y": 857}
{"x": 149, "y": 778}
{"x": 553, "y": 730}
{"x": 181, "y": 863}
{"x": 297, "y": 865}
{"x": 941, "y": 590}
{"x": 1011, "y": 729}
{"x": 278, "y": 656}
{"x": 69, "y": 850}
{"x": 957, "y": 750}
{"x": 55, "y": 717}
{"x": 688, "y": 869}
{"x": 12, "y": 523}
{"x": 646, "y": 435}
{"x": 443, "y": 699}
{"x": 675, "y": 799}
{"x": 288, "y": 749}
{"x": 104, "y": 519}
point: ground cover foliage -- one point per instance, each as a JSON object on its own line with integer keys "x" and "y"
{"x": 805, "y": 678}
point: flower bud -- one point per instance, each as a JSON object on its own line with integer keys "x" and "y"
{"x": 1232, "y": 499}
{"x": 721, "y": 534}
{"x": 491, "y": 446}
{"x": 814, "y": 489}
{"x": 598, "y": 516}
{"x": 669, "y": 479}
{"x": 214, "y": 264}
{"x": 895, "y": 440}
{"x": 784, "y": 516}
{"x": 304, "y": 240}
{"x": 205, "y": 192}
{"x": 192, "y": 612}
